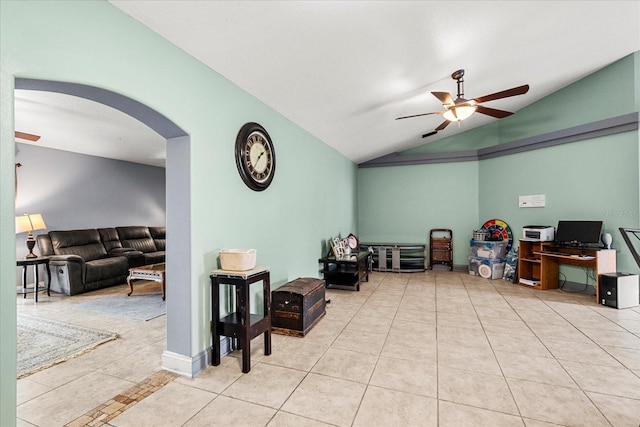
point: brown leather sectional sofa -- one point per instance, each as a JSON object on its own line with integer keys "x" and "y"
{"x": 86, "y": 260}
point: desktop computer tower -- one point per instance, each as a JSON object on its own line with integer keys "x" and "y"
{"x": 619, "y": 290}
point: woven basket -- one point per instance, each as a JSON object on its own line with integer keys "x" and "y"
{"x": 237, "y": 259}
{"x": 480, "y": 235}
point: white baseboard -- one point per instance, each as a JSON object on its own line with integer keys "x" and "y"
{"x": 190, "y": 366}
{"x": 177, "y": 363}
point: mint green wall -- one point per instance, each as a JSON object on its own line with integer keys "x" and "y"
{"x": 91, "y": 42}
{"x": 592, "y": 179}
{"x": 595, "y": 179}
{"x": 401, "y": 204}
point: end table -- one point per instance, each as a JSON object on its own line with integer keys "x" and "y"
{"x": 241, "y": 324}
{"x": 35, "y": 262}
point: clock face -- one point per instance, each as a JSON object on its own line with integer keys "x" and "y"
{"x": 255, "y": 156}
{"x": 353, "y": 241}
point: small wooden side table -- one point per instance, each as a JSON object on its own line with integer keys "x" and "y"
{"x": 35, "y": 262}
{"x": 241, "y": 324}
{"x": 154, "y": 272}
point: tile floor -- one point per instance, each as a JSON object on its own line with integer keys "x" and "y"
{"x": 434, "y": 349}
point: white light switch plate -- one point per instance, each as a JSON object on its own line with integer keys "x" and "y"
{"x": 533, "y": 201}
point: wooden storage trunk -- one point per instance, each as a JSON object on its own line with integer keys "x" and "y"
{"x": 297, "y": 306}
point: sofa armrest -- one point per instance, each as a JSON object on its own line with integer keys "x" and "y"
{"x": 71, "y": 265}
{"x": 67, "y": 258}
{"x": 134, "y": 258}
{"x": 120, "y": 251}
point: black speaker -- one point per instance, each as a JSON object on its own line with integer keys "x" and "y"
{"x": 619, "y": 290}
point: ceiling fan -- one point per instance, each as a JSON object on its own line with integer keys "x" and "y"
{"x": 461, "y": 108}
{"x": 27, "y": 136}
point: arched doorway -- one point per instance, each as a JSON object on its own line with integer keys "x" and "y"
{"x": 178, "y": 352}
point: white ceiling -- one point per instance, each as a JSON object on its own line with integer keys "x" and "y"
{"x": 70, "y": 123}
{"x": 344, "y": 70}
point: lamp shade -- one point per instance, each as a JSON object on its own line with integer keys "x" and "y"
{"x": 27, "y": 223}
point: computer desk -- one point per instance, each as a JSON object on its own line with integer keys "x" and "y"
{"x": 549, "y": 258}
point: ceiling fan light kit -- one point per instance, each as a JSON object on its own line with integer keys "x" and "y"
{"x": 461, "y": 108}
{"x": 458, "y": 114}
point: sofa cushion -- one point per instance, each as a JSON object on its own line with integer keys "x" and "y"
{"x": 106, "y": 268}
{"x": 159, "y": 237}
{"x": 44, "y": 244}
{"x": 154, "y": 257}
{"x": 109, "y": 237}
{"x": 85, "y": 243}
{"x": 136, "y": 237}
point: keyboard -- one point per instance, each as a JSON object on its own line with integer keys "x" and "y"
{"x": 554, "y": 253}
{"x": 579, "y": 256}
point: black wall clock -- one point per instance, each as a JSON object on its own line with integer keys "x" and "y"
{"x": 255, "y": 156}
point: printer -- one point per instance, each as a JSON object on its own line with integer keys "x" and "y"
{"x": 538, "y": 233}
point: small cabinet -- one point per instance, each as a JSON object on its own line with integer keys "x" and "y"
{"x": 529, "y": 263}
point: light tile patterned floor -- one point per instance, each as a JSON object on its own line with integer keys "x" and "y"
{"x": 422, "y": 349}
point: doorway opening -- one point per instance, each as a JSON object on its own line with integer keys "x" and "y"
{"x": 177, "y": 188}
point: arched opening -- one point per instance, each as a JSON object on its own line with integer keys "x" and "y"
{"x": 178, "y": 321}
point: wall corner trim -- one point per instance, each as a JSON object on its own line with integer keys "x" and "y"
{"x": 610, "y": 126}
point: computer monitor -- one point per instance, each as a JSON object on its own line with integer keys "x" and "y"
{"x": 578, "y": 233}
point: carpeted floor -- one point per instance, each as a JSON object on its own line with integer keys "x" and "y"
{"x": 140, "y": 307}
{"x": 43, "y": 343}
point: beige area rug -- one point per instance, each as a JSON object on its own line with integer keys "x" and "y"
{"x": 137, "y": 306}
{"x": 43, "y": 343}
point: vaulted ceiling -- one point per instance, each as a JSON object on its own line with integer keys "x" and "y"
{"x": 344, "y": 70}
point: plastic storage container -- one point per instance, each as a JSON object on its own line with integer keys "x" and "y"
{"x": 486, "y": 268}
{"x": 488, "y": 249}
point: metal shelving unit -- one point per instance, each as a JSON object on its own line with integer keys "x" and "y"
{"x": 398, "y": 258}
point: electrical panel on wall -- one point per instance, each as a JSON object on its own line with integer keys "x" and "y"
{"x": 533, "y": 201}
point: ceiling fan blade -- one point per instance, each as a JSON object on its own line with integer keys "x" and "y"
{"x": 439, "y": 128}
{"x": 27, "y": 136}
{"x": 443, "y": 125}
{"x": 498, "y": 114}
{"x": 520, "y": 90}
{"x": 444, "y": 97}
{"x": 418, "y": 115}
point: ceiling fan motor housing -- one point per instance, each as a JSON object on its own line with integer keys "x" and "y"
{"x": 457, "y": 75}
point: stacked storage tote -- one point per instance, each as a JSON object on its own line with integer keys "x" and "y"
{"x": 487, "y": 258}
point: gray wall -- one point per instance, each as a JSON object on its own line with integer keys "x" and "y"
{"x": 76, "y": 191}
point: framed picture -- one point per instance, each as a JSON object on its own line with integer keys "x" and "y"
{"x": 337, "y": 246}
